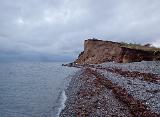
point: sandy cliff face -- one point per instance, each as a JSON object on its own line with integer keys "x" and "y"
{"x": 98, "y": 51}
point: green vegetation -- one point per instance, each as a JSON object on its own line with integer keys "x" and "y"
{"x": 146, "y": 47}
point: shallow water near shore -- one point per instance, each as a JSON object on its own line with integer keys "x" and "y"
{"x": 32, "y": 89}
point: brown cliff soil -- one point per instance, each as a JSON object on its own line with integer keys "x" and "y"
{"x": 98, "y": 51}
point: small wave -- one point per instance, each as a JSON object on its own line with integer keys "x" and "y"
{"x": 63, "y": 99}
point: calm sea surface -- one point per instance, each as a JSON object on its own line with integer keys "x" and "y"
{"x": 32, "y": 89}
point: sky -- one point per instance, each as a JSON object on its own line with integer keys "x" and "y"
{"x": 56, "y": 29}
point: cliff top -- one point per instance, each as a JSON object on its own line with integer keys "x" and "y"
{"x": 146, "y": 47}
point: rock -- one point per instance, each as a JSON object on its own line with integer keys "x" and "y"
{"x": 69, "y": 65}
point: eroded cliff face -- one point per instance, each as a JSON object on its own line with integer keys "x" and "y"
{"x": 98, "y": 51}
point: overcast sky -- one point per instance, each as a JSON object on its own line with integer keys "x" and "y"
{"x": 45, "y": 28}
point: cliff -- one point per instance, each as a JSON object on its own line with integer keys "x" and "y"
{"x": 98, "y": 51}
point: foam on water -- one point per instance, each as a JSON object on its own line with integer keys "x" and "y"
{"x": 63, "y": 99}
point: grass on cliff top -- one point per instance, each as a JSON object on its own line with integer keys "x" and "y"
{"x": 146, "y": 47}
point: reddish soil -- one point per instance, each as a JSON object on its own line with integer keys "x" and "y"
{"x": 98, "y": 51}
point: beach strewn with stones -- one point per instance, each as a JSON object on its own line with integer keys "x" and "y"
{"x": 114, "y": 90}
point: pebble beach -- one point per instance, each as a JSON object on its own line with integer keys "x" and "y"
{"x": 97, "y": 91}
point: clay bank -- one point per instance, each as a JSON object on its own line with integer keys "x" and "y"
{"x": 98, "y": 51}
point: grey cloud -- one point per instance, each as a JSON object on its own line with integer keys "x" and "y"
{"x": 59, "y": 27}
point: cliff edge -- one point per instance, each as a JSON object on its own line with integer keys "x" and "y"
{"x": 98, "y": 51}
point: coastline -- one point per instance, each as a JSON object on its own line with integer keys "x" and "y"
{"x": 90, "y": 94}
{"x": 63, "y": 99}
{"x": 86, "y": 100}
{"x": 64, "y": 94}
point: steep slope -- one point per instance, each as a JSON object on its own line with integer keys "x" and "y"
{"x": 98, "y": 51}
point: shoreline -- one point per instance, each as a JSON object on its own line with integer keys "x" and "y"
{"x": 83, "y": 99}
{"x": 64, "y": 96}
{"x": 86, "y": 96}
{"x": 63, "y": 99}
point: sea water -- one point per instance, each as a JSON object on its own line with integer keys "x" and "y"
{"x": 32, "y": 89}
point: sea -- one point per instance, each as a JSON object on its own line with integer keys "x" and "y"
{"x": 33, "y": 89}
